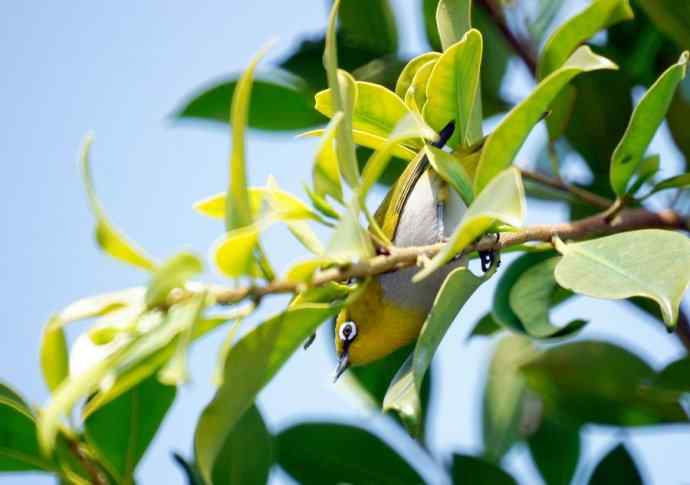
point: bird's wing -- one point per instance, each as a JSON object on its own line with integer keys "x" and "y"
{"x": 388, "y": 213}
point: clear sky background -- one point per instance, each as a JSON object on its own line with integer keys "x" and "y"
{"x": 121, "y": 69}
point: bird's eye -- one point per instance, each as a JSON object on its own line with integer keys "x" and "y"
{"x": 348, "y": 331}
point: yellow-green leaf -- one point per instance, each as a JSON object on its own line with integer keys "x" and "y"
{"x": 368, "y": 140}
{"x": 172, "y": 274}
{"x": 651, "y": 263}
{"x": 451, "y": 170}
{"x": 453, "y": 20}
{"x": 410, "y": 70}
{"x": 54, "y": 354}
{"x": 109, "y": 239}
{"x": 214, "y": 205}
{"x": 453, "y": 90}
{"x": 645, "y": 120}
{"x": 505, "y": 141}
{"x": 326, "y": 173}
{"x": 502, "y": 201}
{"x": 234, "y": 253}
{"x": 416, "y": 95}
{"x": 349, "y": 242}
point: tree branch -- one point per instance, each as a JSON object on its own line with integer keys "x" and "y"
{"x": 586, "y": 196}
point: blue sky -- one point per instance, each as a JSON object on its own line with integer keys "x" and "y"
{"x": 121, "y": 70}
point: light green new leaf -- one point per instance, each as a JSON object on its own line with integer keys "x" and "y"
{"x": 287, "y": 207}
{"x": 306, "y": 236}
{"x": 451, "y": 170}
{"x": 648, "y": 168}
{"x": 108, "y": 237}
{"x": 502, "y": 201}
{"x": 646, "y": 118}
{"x": 325, "y": 173}
{"x": 19, "y": 450}
{"x": 121, "y": 431}
{"x": 453, "y": 90}
{"x": 677, "y": 182}
{"x": 249, "y": 366}
{"x": 350, "y": 241}
{"x": 504, "y": 396}
{"x": 100, "y": 305}
{"x": 321, "y": 204}
{"x": 453, "y": 20}
{"x": 214, "y": 205}
{"x": 409, "y": 71}
{"x": 651, "y": 263}
{"x": 172, "y": 274}
{"x": 240, "y": 464}
{"x": 329, "y": 453}
{"x": 376, "y": 111}
{"x": 54, "y": 354}
{"x": 233, "y": 255}
{"x": 237, "y": 196}
{"x": 671, "y": 17}
{"x": 503, "y": 144}
{"x": 344, "y": 97}
{"x": 403, "y": 392}
{"x": 416, "y": 95}
{"x": 568, "y": 37}
{"x": 369, "y": 140}
{"x": 525, "y": 294}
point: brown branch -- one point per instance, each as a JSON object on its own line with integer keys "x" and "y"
{"x": 586, "y": 196}
{"x": 97, "y": 477}
{"x": 521, "y": 48}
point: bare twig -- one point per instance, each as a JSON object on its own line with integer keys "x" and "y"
{"x": 97, "y": 477}
{"x": 586, "y": 196}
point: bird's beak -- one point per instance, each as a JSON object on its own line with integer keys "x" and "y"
{"x": 343, "y": 364}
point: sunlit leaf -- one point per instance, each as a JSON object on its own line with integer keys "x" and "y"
{"x": 19, "y": 449}
{"x": 172, "y": 274}
{"x": 325, "y": 172}
{"x": 453, "y": 90}
{"x": 350, "y": 241}
{"x": 646, "y": 118}
{"x": 343, "y": 100}
{"x": 474, "y": 470}
{"x": 329, "y": 453}
{"x": 238, "y": 208}
{"x": 555, "y": 468}
{"x": 505, "y": 141}
{"x": 281, "y": 101}
{"x": 100, "y": 305}
{"x": 108, "y": 237}
{"x": 453, "y": 20}
{"x": 306, "y": 236}
{"x": 416, "y": 95}
{"x": 504, "y": 397}
{"x": 368, "y": 140}
{"x": 616, "y": 468}
{"x": 503, "y": 201}
{"x": 451, "y": 170}
{"x": 569, "y": 36}
{"x": 651, "y": 263}
{"x": 54, "y": 354}
{"x": 360, "y": 18}
{"x": 233, "y": 255}
{"x": 524, "y": 296}
{"x": 403, "y": 393}
{"x": 250, "y": 364}
{"x": 240, "y": 462}
{"x": 598, "y": 382}
{"x": 408, "y": 73}
{"x": 121, "y": 431}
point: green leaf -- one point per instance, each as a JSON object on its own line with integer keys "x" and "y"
{"x": 321, "y": 204}
{"x": 555, "y": 468}
{"x": 453, "y": 90}
{"x": 250, "y": 364}
{"x": 470, "y": 469}
{"x": 54, "y": 354}
{"x": 344, "y": 97}
{"x": 121, "y": 431}
{"x": 19, "y": 449}
{"x": 243, "y": 462}
{"x": 234, "y": 253}
{"x": 646, "y": 118}
{"x": 410, "y": 70}
{"x": 675, "y": 376}
{"x": 360, "y": 18}
{"x": 451, "y": 170}
{"x": 239, "y": 213}
{"x": 505, "y": 141}
{"x": 430, "y": 28}
{"x": 671, "y": 17}
{"x": 502, "y": 201}
{"x": 376, "y": 111}
{"x": 600, "y": 383}
{"x": 100, "y": 305}
{"x": 504, "y": 397}
{"x": 524, "y": 296}
{"x": 281, "y": 101}
{"x": 651, "y": 263}
{"x": 485, "y": 327}
{"x": 677, "y": 182}
{"x": 495, "y": 59}
{"x": 108, "y": 237}
{"x": 569, "y": 36}
{"x": 325, "y": 173}
{"x": 329, "y": 453}
{"x": 617, "y": 467}
{"x": 368, "y": 140}
{"x": 403, "y": 392}
{"x": 172, "y": 274}
{"x": 648, "y": 168}
{"x": 350, "y": 241}
{"x": 678, "y": 113}
{"x": 416, "y": 95}
{"x": 453, "y": 19}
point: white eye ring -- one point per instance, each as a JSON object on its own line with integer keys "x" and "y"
{"x": 348, "y": 331}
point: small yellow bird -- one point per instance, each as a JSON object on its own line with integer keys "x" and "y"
{"x": 389, "y": 314}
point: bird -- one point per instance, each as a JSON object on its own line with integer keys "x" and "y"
{"x": 419, "y": 209}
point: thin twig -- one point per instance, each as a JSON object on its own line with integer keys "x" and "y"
{"x": 586, "y": 196}
{"x": 97, "y": 477}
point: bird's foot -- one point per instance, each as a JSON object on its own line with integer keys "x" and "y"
{"x": 491, "y": 257}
